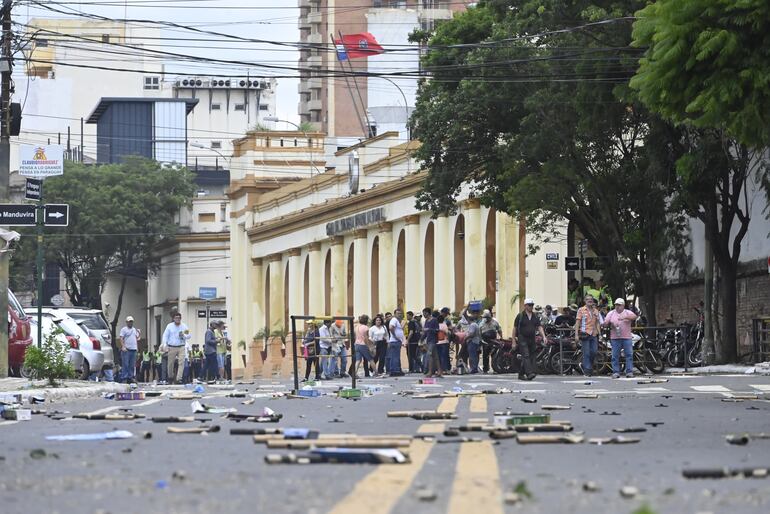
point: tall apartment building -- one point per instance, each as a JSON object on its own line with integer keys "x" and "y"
{"x": 328, "y": 101}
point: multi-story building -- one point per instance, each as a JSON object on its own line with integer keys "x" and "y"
{"x": 342, "y": 106}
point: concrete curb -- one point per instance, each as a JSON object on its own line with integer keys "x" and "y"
{"x": 70, "y": 390}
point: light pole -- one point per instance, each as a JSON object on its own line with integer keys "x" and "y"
{"x": 204, "y": 147}
{"x": 310, "y": 146}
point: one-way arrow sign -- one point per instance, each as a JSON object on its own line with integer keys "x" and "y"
{"x": 56, "y": 214}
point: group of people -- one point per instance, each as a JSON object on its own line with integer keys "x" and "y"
{"x": 176, "y": 359}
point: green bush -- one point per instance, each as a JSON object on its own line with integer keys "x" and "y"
{"x": 49, "y": 361}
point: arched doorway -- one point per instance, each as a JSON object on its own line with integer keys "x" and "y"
{"x": 375, "y": 274}
{"x": 350, "y": 279}
{"x": 306, "y": 287}
{"x": 429, "y": 265}
{"x": 491, "y": 259}
{"x": 459, "y": 254}
{"x": 400, "y": 273}
{"x": 328, "y": 283}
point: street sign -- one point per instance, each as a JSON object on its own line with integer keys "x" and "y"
{"x": 17, "y": 214}
{"x": 41, "y": 160}
{"x": 57, "y": 300}
{"x": 34, "y": 189}
{"x": 56, "y": 214}
{"x": 213, "y": 313}
{"x": 207, "y": 293}
{"x": 552, "y": 256}
{"x": 572, "y": 263}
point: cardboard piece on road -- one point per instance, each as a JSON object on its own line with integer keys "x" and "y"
{"x": 353, "y": 442}
{"x": 192, "y": 430}
{"x": 549, "y": 439}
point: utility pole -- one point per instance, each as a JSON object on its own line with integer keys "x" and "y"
{"x": 6, "y": 64}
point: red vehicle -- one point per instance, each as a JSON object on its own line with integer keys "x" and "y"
{"x": 19, "y": 334}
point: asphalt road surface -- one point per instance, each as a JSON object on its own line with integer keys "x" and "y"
{"x": 219, "y": 472}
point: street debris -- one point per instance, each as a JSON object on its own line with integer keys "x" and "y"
{"x": 613, "y": 440}
{"x": 652, "y": 381}
{"x": 270, "y": 418}
{"x": 172, "y": 419}
{"x": 629, "y": 491}
{"x": 421, "y": 414}
{"x": 549, "y": 439}
{"x": 425, "y": 494}
{"x": 17, "y": 414}
{"x": 591, "y": 487}
{"x": 529, "y": 400}
{"x": 340, "y": 456}
{"x": 608, "y": 413}
{"x": 102, "y": 436}
{"x": 460, "y": 440}
{"x": 511, "y": 418}
{"x": 630, "y": 430}
{"x": 36, "y": 399}
{"x": 511, "y": 498}
{"x": 109, "y": 417}
{"x": 351, "y": 442}
{"x": 653, "y": 424}
{"x": 739, "y": 440}
{"x": 197, "y": 406}
{"x": 129, "y": 396}
{"x": 706, "y": 473}
{"x": 661, "y": 405}
{"x": 556, "y": 407}
{"x": 545, "y": 427}
{"x": 193, "y": 430}
{"x": 38, "y": 453}
{"x": 586, "y": 396}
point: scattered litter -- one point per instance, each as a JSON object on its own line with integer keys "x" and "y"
{"x": 38, "y": 453}
{"x": 653, "y": 381}
{"x": 653, "y": 424}
{"x": 340, "y": 456}
{"x": 425, "y": 414}
{"x": 511, "y": 498}
{"x": 199, "y": 389}
{"x": 427, "y": 381}
{"x": 146, "y": 435}
{"x": 161, "y": 484}
{"x": 501, "y": 434}
{"x": 744, "y": 396}
{"x": 349, "y": 442}
{"x": 426, "y": 494}
{"x": 529, "y": 400}
{"x": 249, "y": 402}
{"x": 549, "y": 439}
{"x": 272, "y": 418}
{"x": 738, "y": 440}
{"x": 179, "y": 475}
{"x": 17, "y": 414}
{"x": 350, "y": 393}
{"x": 591, "y": 487}
{"x": 172, "y": 419}
{"x": 526, "y": 418}
{"x": 544, "y": 427}
{"x": 308, "y": 393}
{"x": 732, "y": 400}
{"x": 725, "y": 473}
{"x": 102, "y": 436}
{"x": 556, "y": 407}
{"x": 109, "y": 417}
{"x": 192, "y": 430}
{"x": 267, "y": 411}
{"x": 751, "y": 407}
{"x": 586, "y": 396}
{"x": 613, "y": 440}
{"x": 460, "y": 440}
{"x": 129, "y": 396}
{"x": 629, "y": 491}
{"x": 197, "y": 406}
{"x": 608, "y": 413}
{"x": 522, "y": 490}
{"x": 256, "y": 431}
{"x": 629, "y": 430}
{"x": 661, "y": 405}
{"x": 36, "y": 399}
{"x": 108, "y": 396}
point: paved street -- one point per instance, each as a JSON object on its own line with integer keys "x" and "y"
{"x": 220, "y": 472}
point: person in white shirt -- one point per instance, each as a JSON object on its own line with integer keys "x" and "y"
{"x": 129, "y": 338}
{"x": 378, "y": 334}
{"x": 175, "y": 338}
{"x": 325, "y": 343}
{"x": 395, "y": 342}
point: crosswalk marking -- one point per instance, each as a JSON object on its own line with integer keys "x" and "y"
{"x": 9, "y": 422}
{"x": 761, "y": 387}
{"x": 711, "y": 389}
{"x": 478, "y": 404}
{"x": 448, "y": 404}
{"x": 476, "y": 486}
{"x": 432, "y": 428}
{"x": 145, "y": 403}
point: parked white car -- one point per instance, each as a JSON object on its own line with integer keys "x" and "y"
{"x": 94, "y": 320}
{"x": 74, "y": 355}
{"x": 93, "y": 357}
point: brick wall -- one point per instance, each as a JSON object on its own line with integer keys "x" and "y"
{"x": 753, "y": 302}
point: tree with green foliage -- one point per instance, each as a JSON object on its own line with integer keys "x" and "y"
{"x": 118, "y": 214}
{"x": 528, "y": 106}
{"x": 707, "y": 68}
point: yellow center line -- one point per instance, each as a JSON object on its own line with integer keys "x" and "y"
{"x": 432, "y": 428}
{"x": 476, "y": 486}
{"x": 448, "y": 404}
{"x": 379, "y": 491}
{"x": 479, "y": 403}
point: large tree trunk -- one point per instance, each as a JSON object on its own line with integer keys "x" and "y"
{"x": 728, "y": 349}
{"x": 649, "y": 302}
{"x": 118, "y": 307}
{"x": 708, "y": 351}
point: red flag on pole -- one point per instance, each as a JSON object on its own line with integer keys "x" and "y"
{"x": 360, "y": 45}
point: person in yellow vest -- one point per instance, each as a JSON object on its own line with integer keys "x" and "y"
{"x": 145, "y": 371}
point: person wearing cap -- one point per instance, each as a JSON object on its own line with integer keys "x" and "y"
{"x": 525, "y": 327}
{"x": 490, "y": 329}
{"x": 548, "y": 315}
{"x": 587, "y": 324}
{"x": 128, "y": 339}
{"x": 619, "y": 320}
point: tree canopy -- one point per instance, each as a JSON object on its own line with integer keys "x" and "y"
{"x": 708, "y": 63}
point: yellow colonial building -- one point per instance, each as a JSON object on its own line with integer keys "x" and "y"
{"x": 317, "y": 236}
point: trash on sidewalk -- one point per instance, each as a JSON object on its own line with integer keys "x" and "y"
{"x": 629, "y": 491}
{"x": 101, "y": 436}
{"x": 591, "y": 487}
{"x": 197, "y": 406}
{"x": 139, "y": 395}
{"x": 17, "y": 414}
{"x": 556, "y": 407}
{"x": 549, "y": 439}
{"x": 619, "y": 439}
{"x": 128, "y": 416}
{"x": 193, "y": 430}
{"x": 340, "y": 456}
{"x": 705, "y": 473}
{"x": 629, "y": 430}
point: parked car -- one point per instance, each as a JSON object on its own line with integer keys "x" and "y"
{"x": 93, "y": 357}
{"x": 19, "y": 334}
{"x": 94, "y": 321}
{"x": 74, "y": 355}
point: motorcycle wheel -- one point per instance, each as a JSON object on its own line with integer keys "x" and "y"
{"x": 654, "y": 362}
{"x": 674, "y": 358}
{"x": 694, "y": 358}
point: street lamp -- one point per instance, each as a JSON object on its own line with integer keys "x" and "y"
{"x": 310, "y": 146}
{"x": 204, "y": 147}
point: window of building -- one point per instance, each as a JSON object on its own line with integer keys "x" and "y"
{"x": 105, "y": 38}
{"x": 216, "y": 144}
{"x": 240, "y": 107}
{"x": 216, "y": 107}
{"x": 152, "y": 82}
{"x": 207, "y": 217}
{"x": 263, "y": 107}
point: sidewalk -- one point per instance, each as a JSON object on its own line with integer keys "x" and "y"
{"x": 68, "y": 390}
{"x": 762, "y": 368}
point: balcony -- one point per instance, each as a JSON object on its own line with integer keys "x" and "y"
{"x": 314, "y": 18}
{"x": 315, "y": 105}
{"x": 315, "y": 61}
{"x": 316, "y": 39}
{"x": 314, "y": 83}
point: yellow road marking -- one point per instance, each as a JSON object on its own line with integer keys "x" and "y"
{"x": 476, "y": 486}
{"x": 448, "y": 404}
{"x": 432, "y": 428}
{"x": 379, "y": 491}
{"x": 478, "y": 403}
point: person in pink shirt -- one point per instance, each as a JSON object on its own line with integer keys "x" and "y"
{"x": 619, "y": 320}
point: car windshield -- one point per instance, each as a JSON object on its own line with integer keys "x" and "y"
{"x": 92, "y": 320}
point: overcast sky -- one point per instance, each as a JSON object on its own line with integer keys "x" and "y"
{"x": 272, "y": 20}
